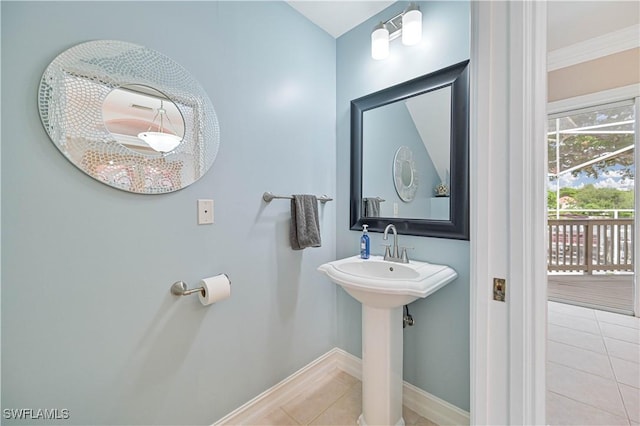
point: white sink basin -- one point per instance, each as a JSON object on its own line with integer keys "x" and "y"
{"x": 382, "y": 284}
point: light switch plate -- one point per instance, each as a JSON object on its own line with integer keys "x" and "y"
{"x": 205, "y": 212}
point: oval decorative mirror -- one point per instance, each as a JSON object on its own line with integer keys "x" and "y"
{"x": 405, "y": 176}
{"x": 128, "y": 116}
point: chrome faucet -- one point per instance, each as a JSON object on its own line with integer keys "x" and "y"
{"x": 392, "y": 254}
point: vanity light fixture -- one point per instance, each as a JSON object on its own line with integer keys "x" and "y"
{"x": 407, "y": 24}
{"x": 161, "y": 141}
{"x": 412, "y": 25}
{"x": 380, "y": 42}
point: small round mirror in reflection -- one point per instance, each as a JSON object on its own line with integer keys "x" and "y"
{"x": 143, "y": 119}
{"x": 405, "y": 177}
{"x": 406, "y": 173}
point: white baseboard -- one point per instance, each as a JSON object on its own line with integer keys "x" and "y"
{"x": 348, "y": 363}
{"x": 282, "y": 392}
{"x": 423, "y": 403}
{"x": 433, "y": 408}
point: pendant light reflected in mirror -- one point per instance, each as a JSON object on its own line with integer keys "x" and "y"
{"x": 161, "y": 138}
{"x": 143, "y": 119}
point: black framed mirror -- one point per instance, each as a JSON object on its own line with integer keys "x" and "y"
{"x": 429, "y": 116}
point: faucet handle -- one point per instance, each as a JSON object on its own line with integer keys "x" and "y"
{"x": 387, "y": 251}
{"x": 404, "y": 257}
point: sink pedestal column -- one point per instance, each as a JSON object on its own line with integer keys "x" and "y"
{"x": 381, "y": 366}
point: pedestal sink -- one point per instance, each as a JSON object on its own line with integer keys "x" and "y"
{"x": 383, "y": 288}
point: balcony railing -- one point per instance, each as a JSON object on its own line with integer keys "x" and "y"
{"x": 590, "y": 245}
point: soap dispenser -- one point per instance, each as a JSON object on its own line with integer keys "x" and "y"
{"x": 365, "y": 244}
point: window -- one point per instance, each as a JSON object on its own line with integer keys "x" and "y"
{"x": 591, "y": 167}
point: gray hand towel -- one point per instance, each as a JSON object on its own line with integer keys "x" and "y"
{"x": 371, "y": 207}
{"x": 305, "y": 224}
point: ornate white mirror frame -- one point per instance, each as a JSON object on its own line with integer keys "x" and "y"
{"x": 71, "y": 98}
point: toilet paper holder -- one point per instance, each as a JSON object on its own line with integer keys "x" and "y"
{"x": 179, "y": 288}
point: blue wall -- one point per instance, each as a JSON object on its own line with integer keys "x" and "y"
{"x": 384, "y": 130}
{"x": 436, "y": 350}
{"x": 88, "y": 323}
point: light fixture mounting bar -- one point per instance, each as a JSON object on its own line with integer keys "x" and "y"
{"x": 394, "y": 26}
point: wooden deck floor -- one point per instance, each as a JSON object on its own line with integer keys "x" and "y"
{"x": 612, "y": 293}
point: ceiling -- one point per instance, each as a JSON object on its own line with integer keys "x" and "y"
{"x": 569, "y": 22}
{"x": 338, "y": 17}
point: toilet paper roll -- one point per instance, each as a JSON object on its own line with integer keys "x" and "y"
{"x": 214, "y": 289}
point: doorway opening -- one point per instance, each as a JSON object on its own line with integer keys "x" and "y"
{"x": 592, "y": 342}
{"x": 591, "y": 207}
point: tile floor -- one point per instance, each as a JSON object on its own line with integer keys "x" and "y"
{"x": 336, "y": 400}
{"x": 593, "y": 377}
{"x": 593, "y": 367}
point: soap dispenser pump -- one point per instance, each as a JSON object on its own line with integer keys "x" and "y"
{"x": 365, "y": 244}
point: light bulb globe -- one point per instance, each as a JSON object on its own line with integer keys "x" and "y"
{"x": 160, "y": 141}
{"x": 380, "y": 42}
{"x": 411, "y": 27}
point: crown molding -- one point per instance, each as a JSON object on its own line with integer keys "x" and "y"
{"x": 594, "y": 48}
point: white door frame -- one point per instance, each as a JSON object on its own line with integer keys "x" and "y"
{"x": 508, "y": 211}
{"x": 636, "y": 223}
